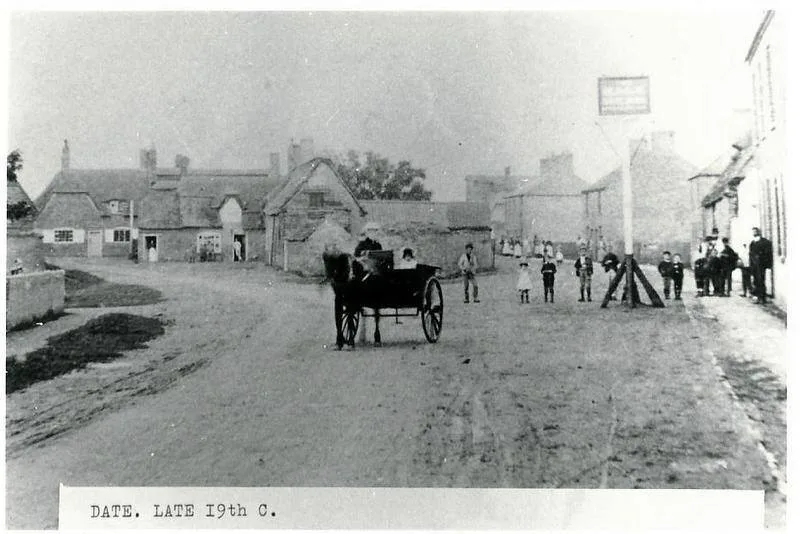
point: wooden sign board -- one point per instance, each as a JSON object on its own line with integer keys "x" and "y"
{"x": 623, "y": 95}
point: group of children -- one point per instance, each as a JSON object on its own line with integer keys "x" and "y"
{"x": 714, "y": 266}
{"x": 525, "y": 283}
{"x": 671, "y": 271}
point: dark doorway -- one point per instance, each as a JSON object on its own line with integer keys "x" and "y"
{"x": 151, "y": 248}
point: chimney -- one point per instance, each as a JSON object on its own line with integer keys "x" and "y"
{"x": 275, "y": 163}
{"x": 306, "y": 149}
{"x": 664, "y": 141}
{"x": 65, "y": 156}
{"x": 293, "y": 158}
{"x": 148, "y": 159}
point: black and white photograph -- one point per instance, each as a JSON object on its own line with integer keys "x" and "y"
{"x": 529, "y": 248}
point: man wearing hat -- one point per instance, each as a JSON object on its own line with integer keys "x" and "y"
{"x": 469, "y": 266}
{"x": 760, "y": 261}
{"x": 368, "y": 241}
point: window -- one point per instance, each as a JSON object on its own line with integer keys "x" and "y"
{"x": 113, "y": 206}
{"x": 122, "y": 236}
{"x": 210, "y": 241}
{"x": 316, "y": 200}
{"x": 63, "y": 236}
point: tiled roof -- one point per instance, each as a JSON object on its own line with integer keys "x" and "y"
{"x": 649, "y": 163}
{"x": 715, "y": 168}
{"x": 604, "y": 182}
{"x": 733, "y": 174}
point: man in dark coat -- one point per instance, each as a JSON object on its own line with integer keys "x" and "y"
{"x": 368, "y": 241}
{"x": 729, "y": 259}
{"x": 760, "y": 261}
{"x": 610, "y": 263}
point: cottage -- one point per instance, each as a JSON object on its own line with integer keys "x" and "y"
{"x": 312, "y": 194}
{"x": 662, "y": 211}
{"x": 90, "y": 212}
{"x": 202, "y": 214}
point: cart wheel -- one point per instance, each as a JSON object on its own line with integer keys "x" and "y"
{"x": 350, "y": 320}
{"x": 432, "y": 310}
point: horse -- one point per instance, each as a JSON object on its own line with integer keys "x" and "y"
{"x": 354, "y": 281}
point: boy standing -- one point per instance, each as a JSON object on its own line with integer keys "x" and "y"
{"x": 677, "y": 275}
{"x": 665, "y": 270}
{"x": 469, "y": 266}
{"x": 548, "y": 277}
{"x": 610, "y": 263}
{"x": 584, "y": 271}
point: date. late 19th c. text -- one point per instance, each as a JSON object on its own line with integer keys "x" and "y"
{"x": 178, "y": 510}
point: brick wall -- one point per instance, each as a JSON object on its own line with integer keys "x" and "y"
{"x": 30, "y": 296}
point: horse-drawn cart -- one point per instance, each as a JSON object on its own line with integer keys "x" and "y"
{"x": 390, "y": 293}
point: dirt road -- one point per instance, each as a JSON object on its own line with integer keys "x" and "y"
{"x": 245, "y": 390}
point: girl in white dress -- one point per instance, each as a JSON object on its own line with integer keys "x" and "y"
{"x": 524, "y": 283}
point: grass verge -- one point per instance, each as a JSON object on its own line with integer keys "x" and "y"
{"x": 84, "y": 290}
{"x": 101, "y": 339}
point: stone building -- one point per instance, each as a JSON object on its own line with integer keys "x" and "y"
{"x": 662, "y": 209}
{"x": 549, "y": 207}
{"x": 312, "y": 194}
{"x": 491, "y": 190}
{"x": 200, "y": 213}
{"x": 92, "y": 212}
{"x": 751, "y": 190}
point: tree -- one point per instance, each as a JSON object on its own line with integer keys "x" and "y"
{"x": 13, "y": 164}
{"x": 23, "y": 208}
{"x": 376, "y": 178}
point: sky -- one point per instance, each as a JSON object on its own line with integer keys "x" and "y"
{"x": 455, "y": 93}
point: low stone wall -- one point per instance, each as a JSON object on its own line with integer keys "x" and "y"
{"x": 30, "y": 296}
{"x": 28, "y": 247}
{"x": 440, "y": 247}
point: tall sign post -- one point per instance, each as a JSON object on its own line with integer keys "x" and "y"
{"x": 627, "y": 96}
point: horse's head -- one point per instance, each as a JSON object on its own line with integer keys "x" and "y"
{"x": 337, "y": 265}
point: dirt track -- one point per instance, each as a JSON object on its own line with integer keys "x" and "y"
{"x": 244, "y": 390}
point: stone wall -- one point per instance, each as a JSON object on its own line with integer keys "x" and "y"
{"x": 28, "y": 247}
{"x": 30, "y": 296}
{"x": 432, "y": 246}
